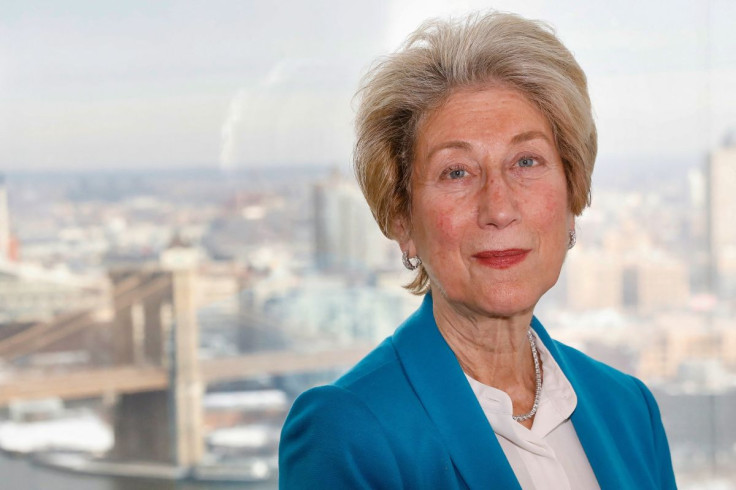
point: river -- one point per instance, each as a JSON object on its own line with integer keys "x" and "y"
{"x": 19, "y": 473}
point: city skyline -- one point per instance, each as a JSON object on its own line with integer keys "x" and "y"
{"x": 175, "y": 190}
{"x": 630, "y": 293}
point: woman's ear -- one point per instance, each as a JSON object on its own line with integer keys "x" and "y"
{"x": 571, "y": 232}
{"x": 400, "y": 231}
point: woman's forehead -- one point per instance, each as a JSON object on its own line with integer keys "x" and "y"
{"x": 496, "y": 112}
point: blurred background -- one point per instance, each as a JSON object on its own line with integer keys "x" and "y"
{"x": 183, "y": 248}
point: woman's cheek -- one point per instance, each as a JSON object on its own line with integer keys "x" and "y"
{"x": 549, "y": 204}
{"x": 445, "y": 224}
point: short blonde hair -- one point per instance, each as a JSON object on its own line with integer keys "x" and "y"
{"x": 443, "y": 56}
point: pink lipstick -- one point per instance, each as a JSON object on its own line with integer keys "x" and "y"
{"x": 501, "y": 259}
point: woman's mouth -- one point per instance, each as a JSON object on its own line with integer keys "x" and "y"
{"x": 501, "y": 259}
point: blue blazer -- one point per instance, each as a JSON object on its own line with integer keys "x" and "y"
{"x": 406, "y": 417}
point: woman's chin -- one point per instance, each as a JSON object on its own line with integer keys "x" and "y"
{"x": 494, "y": 304}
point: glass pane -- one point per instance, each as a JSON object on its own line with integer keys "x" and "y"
{"x": 184, "y": 250}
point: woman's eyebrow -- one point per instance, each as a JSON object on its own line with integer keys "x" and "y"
{"x": 529, "y": 135}
{"x": 464, "y": 145}
{"x": 457, "y": 144}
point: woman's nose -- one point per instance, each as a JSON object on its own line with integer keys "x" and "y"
{"x": 497, "y": 203}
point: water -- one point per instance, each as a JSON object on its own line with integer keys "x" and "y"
{"x": 19, "y": 473}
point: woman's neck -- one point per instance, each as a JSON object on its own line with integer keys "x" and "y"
{"x": 494, "y": 351}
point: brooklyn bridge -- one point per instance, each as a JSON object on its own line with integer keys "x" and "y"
{"x": 150, "y": 365}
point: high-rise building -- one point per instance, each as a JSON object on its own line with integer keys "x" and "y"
{"x": 5, "y": 237}
{"x": 594, "y": 279}
{"x": 722, "y": 216}
{"x": 662, "y": 281}
{"x": 645, "y": 280}
{"x": 345, "y": 234}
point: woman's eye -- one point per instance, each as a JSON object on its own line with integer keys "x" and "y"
{"x": 457, "y": 173}
{"x": 527, "y": 162}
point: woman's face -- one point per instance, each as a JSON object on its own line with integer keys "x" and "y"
{"x": 489, "y": 211}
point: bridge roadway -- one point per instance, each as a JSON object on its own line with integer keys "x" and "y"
{"x": 89, "y": 383}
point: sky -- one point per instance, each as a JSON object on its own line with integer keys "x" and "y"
{"x": 234, "y": 84}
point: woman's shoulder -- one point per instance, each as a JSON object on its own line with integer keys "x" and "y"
{"x": 332, "y": 440}
{"x": 624, "y": 405}
{"x": 609, "y": 389}
{"x": 381, "y": 363}
{"x": 371, "y": 388}
{"x": 358, "y": 432}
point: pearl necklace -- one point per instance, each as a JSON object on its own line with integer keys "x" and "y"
{"x": 537, "y": 381}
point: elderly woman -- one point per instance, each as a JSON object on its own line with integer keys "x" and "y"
{"x": 475, "y": 151}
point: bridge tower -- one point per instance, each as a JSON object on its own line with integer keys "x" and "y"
{"x": 186, "y": 381}
{"x": 156, "y": 325}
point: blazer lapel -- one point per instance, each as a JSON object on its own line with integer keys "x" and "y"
{"x": 438, "y": 381}
{"x": 591, "y": 427}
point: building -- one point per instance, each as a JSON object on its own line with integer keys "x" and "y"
{"x": 346, "y": 237}
{"x": 658, "y": 281}
{"x": 677, "y": 341}
{"x": 594, "y": 279}
{"x": 6, "y": 251}
{"x": 721, "y": 212}
{"x": 30, "y": 293}
{"x": 642, "y": 280}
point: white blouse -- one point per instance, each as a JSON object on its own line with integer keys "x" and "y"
{"x": 549, "y": 455}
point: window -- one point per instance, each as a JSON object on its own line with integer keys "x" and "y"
{"x": 152, "y": 146}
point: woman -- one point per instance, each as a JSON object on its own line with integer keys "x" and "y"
{"x": 475, "y": 151}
